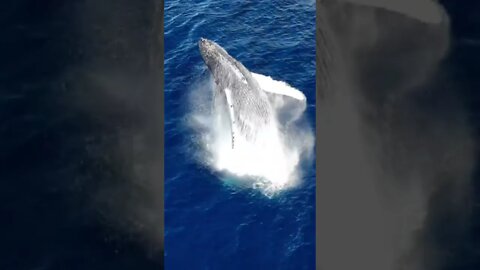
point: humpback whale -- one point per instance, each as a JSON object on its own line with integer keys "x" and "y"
{"x": 248, "y": 104}
{"x": 249, "y": 123}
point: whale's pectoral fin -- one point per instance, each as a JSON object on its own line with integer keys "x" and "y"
{"x": 289, "y": 102}
{"x": 228, "y": 95}
{"x": 278, "y": 88}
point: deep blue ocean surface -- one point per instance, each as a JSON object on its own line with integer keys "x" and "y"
{"x": 208, "y": 224}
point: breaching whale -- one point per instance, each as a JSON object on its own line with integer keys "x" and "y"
{"x": 248, "y": 104}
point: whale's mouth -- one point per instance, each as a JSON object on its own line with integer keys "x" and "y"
{"x": 271, "y": 163}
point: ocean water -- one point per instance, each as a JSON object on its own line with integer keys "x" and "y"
{"x": 215, "y": 224}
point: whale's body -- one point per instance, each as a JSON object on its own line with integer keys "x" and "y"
{"x": 249, "y": 108}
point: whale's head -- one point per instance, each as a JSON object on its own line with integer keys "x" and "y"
{"x": 212, "y": 54}
{"x": 225, "y": 69}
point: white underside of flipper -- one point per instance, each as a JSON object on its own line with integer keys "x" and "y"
{"x": 278, "y": 87}
{"x": 288, "y": 102}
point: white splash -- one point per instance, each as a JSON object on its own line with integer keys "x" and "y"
{"x": 270, "y": 164}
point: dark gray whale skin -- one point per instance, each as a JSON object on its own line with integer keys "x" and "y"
{"x": 252, "y": 110}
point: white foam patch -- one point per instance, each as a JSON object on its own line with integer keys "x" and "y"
{"x": 272, "y": 162}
